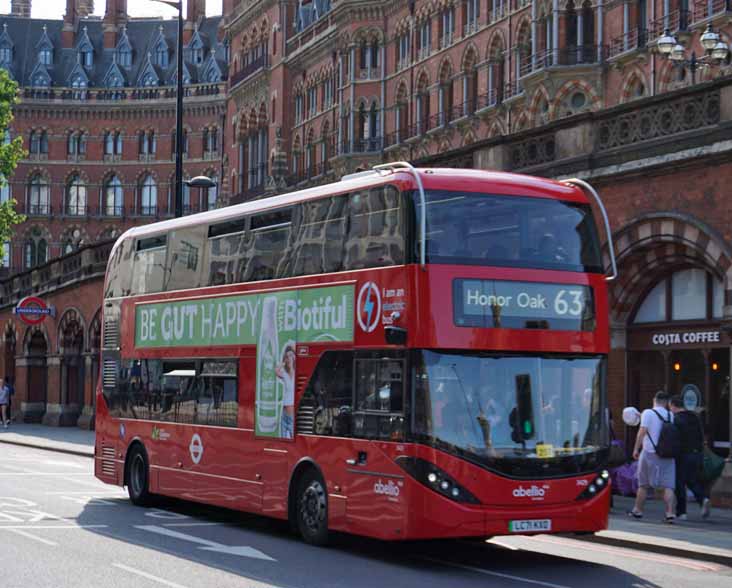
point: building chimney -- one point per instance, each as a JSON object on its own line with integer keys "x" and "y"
{"x": 68, "y": 32}
{"x": 196, "y": 10}
{"x": 84, "y": 8}
{"x": 115, "y": 17}
{"x": 20, "y": 8}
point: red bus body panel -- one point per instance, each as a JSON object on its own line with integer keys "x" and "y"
{"x": 241, "y": 471}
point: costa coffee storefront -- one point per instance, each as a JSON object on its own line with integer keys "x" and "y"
{"x": 676, "y": 343}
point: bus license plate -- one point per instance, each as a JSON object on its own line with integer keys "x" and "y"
{"x": 530, "y": 525}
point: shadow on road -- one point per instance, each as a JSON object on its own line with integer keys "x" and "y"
{"x": 350, "y": 561}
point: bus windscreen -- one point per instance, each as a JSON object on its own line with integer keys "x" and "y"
{"x": 510, "y": 231}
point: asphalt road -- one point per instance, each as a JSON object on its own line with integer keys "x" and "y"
{"x": 61, "y": 528}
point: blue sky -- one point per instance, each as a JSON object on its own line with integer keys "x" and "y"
{"x": 56, "y": 8}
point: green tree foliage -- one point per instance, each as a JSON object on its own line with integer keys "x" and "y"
{"x": 10, "y": 154}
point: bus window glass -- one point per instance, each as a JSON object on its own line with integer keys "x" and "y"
{"x": 376, "y": 229}
{"x": 269, "y": 241}
{"x": 319, "y": 237}
{"x": 379, "y": 399}
{"x": 203, "y": 392}
{"x": 185, "y": 258}
{"x": 326, "y": 405}
{"x": 119, "y": 271}
{"x": 515, "y": 231}
{"x": 227, "y": 254}
{"x": 490, "y": 408}
{"x": 149, "y": 272}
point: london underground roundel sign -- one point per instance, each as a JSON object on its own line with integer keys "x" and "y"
{"x": 32, "y": 310}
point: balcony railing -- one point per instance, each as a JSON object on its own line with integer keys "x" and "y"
{"x": 112, "y": 211}
{"x": 676, "y": 20}
{"x": 705, "y": 9}
{"x": 75, "y": 210}
{"x": 565, "y": 56}
{"x": 122, "y": 94}
{"x": 148, "y": 210}
{"x": 634, "y": 39}
{"x": 248, "y": 70}
{"x": 39, "y": 209}
{"x": 488, "y": 99}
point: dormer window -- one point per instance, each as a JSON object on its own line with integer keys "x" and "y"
{"x": 87, "y": 57}
{"x": 40, "y": 82}
{"x": 197, "y": 56}
{"x": 115, "y": 82}
{"x": 6, "y": 55}
{"x": 124, "y": 58}
{"x": 78, "y": 82}
{"x": 45, "y": 56}
{"x": 161, "y": 55}
{"x": 149, "y": 80}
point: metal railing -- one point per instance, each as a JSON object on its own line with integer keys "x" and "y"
{"x": 635, "y": 38}
{"x": 708, "y": 8}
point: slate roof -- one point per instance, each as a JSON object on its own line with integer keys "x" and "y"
{"x": 26, "y": 33}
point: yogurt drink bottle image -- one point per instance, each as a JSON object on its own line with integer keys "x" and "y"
{"x": 269, "y": 400}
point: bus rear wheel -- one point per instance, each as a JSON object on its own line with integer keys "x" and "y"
{"x": 138, "y": 477}
{"x": 312, "y": 509}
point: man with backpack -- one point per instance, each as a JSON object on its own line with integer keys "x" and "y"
{"x": 656, "y": 446}
{"x": 690, "y": 460}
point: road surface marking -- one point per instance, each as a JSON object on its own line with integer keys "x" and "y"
{"x": 193, "y": 524}
{"x": 30, "y": 536}
{"x": 496, "y": 574}
{"x": 162, "y": 581}
{"x": 495, "y": 541}
{"x": 626, "y": 551}
{"x": 31, "y": 527}
{"x": 206, "y": 545}
{"x": 45, "y": 474}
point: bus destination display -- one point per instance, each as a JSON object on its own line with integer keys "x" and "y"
{"x": 523, "y": 305}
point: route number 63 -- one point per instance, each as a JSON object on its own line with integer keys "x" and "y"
{"x": 570, "y": 302}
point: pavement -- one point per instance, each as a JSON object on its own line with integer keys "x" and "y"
{"x": 700, "y": 539}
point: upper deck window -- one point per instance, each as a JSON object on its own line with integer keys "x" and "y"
{"x": 510, "y": 231}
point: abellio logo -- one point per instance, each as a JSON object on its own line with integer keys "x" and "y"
{"x": 388, "y": 489}
{"x": 533, "y": 492}
{"x": 368, "y": 307}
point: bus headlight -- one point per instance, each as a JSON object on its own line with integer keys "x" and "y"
{"x": 602, "y": 480}
{"x": 435, "y": 479}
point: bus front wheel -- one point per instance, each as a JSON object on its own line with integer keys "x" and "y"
{"x": 312, "y": 509}
{"x": 138, "y": 477}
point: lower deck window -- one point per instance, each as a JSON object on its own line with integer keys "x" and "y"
{"x": 201, "y": 391}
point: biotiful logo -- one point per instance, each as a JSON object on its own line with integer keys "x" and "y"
{"x": 533, "y": 492}
{"x": 388, "y": 489}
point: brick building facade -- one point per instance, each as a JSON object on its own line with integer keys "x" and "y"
{"x": 312, "y": 90}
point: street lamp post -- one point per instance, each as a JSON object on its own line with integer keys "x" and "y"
{"x": 178, "y": 4}
{"x": 715, "y": 51}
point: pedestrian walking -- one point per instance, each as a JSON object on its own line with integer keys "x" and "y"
{"x": 690, "y": 461}
{"x": 11, "y": 393}
{"x": 4, "y": 400}
{"x": 655, "y": 468}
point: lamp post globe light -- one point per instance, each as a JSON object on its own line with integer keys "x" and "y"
{"x": 715, "y": 51}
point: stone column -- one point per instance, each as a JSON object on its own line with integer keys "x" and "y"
{"x": 31, "y": 411}
{"x": 58, "y": 412}
{"x": 86, "y": 420}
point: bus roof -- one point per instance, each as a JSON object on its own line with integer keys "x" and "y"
{"x": 468, "y": 180}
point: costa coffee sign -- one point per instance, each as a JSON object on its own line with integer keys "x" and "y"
{"x": 668, "y": 339}
{"x": 677, "y": 339}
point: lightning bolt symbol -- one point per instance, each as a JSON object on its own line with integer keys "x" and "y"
{"x": 368, "y": 307}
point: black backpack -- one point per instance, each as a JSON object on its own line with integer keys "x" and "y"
{"x": 669, "y": 440}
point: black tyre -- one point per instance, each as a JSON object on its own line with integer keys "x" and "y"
{"x": 138, "y": 477}
{"x": 311, "y": 509}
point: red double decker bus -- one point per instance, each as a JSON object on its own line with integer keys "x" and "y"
{"x": 403, "y": 354}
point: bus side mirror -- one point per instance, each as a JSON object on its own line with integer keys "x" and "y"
{"x": 395, "y": 335}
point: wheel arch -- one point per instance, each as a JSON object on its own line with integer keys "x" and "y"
{"x": 303, "y": 465}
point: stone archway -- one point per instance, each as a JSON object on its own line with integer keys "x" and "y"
{"x": 71, "y": 350}
{"x": 653, "y": 244}
{"x": 35, "y": 347}
{"x": 649, "y": 249}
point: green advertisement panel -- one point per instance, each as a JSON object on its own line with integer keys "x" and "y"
{"x": 275, "y": 322}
